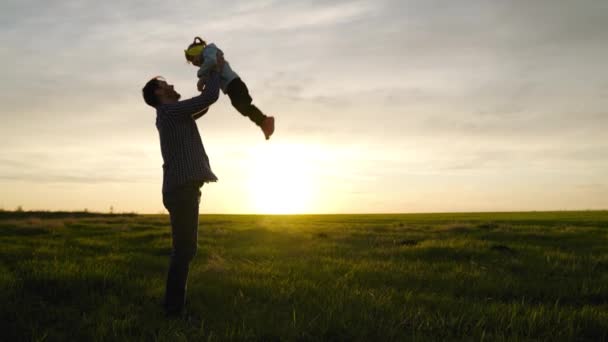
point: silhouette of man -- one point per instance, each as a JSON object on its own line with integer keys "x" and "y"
{"x": 186, "y": 168}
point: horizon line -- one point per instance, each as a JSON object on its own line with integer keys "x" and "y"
{"x": 100, "y": 213}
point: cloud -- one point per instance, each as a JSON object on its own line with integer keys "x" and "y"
{"x": 290, "y": 16}
{"x": 80, "y": 165}
{"x": 601, "y": 188}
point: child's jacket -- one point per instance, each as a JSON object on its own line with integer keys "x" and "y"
{"x": 209, "y": 58}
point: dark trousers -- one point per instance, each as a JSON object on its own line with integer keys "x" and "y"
{"x": 182, "y": 205}
{"x": 241, "y": 100}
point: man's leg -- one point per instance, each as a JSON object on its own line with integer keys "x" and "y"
{"x": 183, "y": 207}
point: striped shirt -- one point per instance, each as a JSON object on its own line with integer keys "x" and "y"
{"x": 185, "y": 160}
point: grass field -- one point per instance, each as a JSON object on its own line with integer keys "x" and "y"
{"x": 490, "y": 276}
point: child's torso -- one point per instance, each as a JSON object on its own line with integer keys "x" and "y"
{"x": 227, "y": 74}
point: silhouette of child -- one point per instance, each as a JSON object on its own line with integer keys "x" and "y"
{"x": 205, "y": 56}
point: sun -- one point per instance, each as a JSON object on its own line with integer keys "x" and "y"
{"x": 281, "y": 180}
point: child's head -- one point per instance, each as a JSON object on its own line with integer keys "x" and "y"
{"x": 193, "y": 52}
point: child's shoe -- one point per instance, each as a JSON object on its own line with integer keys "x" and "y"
{"x": 268, "y": 126}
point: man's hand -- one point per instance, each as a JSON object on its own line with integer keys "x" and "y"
{"x": 268, "y": 127}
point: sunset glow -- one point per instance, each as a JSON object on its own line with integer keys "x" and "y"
{"x": 281, "y": 180}
{"x": 380, "y": 106}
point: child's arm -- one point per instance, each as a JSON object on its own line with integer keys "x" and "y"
{"x": 209, "y": 60}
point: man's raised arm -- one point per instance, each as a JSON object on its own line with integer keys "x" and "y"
{"x": 197, "y": 104}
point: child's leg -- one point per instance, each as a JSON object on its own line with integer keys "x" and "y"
{"x": 241, "y": 100}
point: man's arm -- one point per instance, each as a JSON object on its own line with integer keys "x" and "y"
{"x": 196, "y": 116}
{"x": 197, "y": 104}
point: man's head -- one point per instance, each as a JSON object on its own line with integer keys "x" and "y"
{"x": 194, "y": 50}
{"x": 157, "y": 92}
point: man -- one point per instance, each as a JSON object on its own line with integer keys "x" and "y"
{"x": 186, "y": 168}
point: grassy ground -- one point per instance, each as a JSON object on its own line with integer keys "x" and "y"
{"x": 494, "y": 276}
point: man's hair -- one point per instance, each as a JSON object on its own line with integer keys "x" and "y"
{"x": 149, "y": 91}
{"x": 198, "y": 42}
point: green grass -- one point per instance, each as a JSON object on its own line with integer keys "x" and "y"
{"x": 478, "y": 276}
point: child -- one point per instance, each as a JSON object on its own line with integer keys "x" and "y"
{"x": 205, "y": 57}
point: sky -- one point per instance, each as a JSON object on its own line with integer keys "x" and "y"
{"x": 381, "y": 106}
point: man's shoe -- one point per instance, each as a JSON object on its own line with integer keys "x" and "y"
{"x": 172, "y": 312}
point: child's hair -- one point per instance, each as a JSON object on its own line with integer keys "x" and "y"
{"x": 195, "y": 49}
